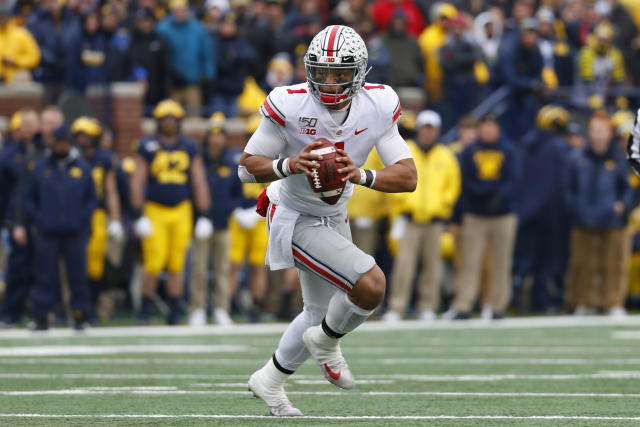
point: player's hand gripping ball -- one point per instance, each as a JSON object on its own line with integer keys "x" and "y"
{"x": 325, "y": 180}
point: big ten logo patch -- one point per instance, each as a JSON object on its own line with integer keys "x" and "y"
{"x": 489, "y": 164}
{"x": 307, "y": 125}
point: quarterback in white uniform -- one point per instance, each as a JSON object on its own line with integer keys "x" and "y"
{"x": 341, "y": 285}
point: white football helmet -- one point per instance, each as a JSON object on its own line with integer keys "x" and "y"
{"x": 336, "y": 48}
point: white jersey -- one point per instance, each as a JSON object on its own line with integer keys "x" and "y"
{"x": 633, "y": 146}
{"x": 293, "y": 119}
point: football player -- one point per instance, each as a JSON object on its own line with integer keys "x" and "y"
{"x": 168, "y": 168}
{"x": 106, "y": 219}
{"x": 341, "y": 284}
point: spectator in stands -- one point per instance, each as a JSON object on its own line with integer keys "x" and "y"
{"x": 221, "y": 164}
{"x": 234, "y": 56}
{"x": 113, "y": 26}
{"x": 626, "y": 36}
{"x": 599, "y": 198}
{"x": 60, "y": 199}
{"x": 427, "y": 209}
{"x": 430, "y": 41}
{"x": 554, "y": 48}
{"x": 87, "y": 56}
{"x": 382, "y": 13}
{"x": 52, "y": 25}
{"x": 379, "y": 55}
{"x": 255, "y": 28}
{"x": 191, "y": 58}
{"x": 16, "y": 160}
{"x": 601, "y": 65}
{"x": 350, "y": 12}
{"x": 519, "y": 67}
{"x": 487, "y": 32}
{"x": 19, "y": 51}
{"x": 149, "y": 58}
{"x": 464, "y": 72}
{"x": 521, "y": 10}
{"x": 490, "y": 177}
{"x": 280, "y": 34}
{"x": 406, "y": 65}
{"x": 540, "y": 206}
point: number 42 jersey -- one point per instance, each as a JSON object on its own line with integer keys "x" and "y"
{"x": 293, "y": 119}
{"x": 168, "y": 179}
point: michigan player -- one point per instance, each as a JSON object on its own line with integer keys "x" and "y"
{"x": 106, "y": 219}
{"x": 168, "y": 168}
{"x": 248, "y": 233}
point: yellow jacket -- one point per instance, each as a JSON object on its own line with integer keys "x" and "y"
{"x": 366, "y": 202}
{"x": 17, "y": 45}
{"x": 430, "y": 41}
{"x": 586, "y": 64}
{"x": 439, "y": 184}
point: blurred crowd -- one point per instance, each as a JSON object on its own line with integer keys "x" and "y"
{"x": 223, "y": 55}
{"x": 529, "y": 206}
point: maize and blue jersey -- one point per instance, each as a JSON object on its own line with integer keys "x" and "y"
{"x": 168, "y": 181}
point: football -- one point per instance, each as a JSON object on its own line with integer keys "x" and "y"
{"x": 326, "y": 182}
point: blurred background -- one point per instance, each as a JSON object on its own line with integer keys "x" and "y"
{"x": 518, "y": 113}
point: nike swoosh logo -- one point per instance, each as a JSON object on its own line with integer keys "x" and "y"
{"x": 360, "y": 131}
{"x": 334, "y": 375}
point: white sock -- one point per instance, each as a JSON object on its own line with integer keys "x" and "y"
{"x": 274, "y": 374}
{"x": 343, "y": 316}
{"x": 291, "y": 352}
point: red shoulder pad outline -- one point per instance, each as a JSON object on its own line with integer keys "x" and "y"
{"x": 269, "y": 110}
{"x": 292, "y": 91}
{"x": 374, "y": 87}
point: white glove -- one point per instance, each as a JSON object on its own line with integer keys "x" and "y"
{"x": 246, "y": 218}
{"x": 143, "y": 227}
{"x": 204, "y": 228}
{"x": 398, "y": 227}
{"x": 115, "y": 230}
{"x": 363, "y": 222}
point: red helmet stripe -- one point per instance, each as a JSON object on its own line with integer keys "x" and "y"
{"x": 332, "y": 40}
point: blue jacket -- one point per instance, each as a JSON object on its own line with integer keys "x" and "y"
{"x": 490, "y": 178}
{"x": 517, "y": 67}
{"x": 225, "y": 187}
{"x": 16, "y": 162}
{"x": 234, "y": 57}
{"x": 540, "y": 195}
{"x": 60, "y": 198}
{"x": 190, "y": 49}
{"x": 593, "y": 183}
{"x": 54, "y": 39}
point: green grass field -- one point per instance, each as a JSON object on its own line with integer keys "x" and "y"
{"x": 533, "y": 372}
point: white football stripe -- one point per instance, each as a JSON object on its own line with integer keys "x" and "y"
{"x": 323, "y": 151}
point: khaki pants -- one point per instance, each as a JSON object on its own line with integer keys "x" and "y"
{"x": 602, "y": 253}
{"x": 480, "y": 233}
{"x": 366, "y": 238}
{"x": 486, "y": 273}
{"x": 190, "y": 97}
{"x": 420, "y": 241}
{"x": 218, "y": 246}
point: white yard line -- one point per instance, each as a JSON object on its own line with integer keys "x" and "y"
{"x": 337, "y": 418}
{"x": 174, "y": 391}
{"x": 61, "y": 350}
{"x": 625, "y": 335}
{"x": 602, "y": 375}
{"x": 278, "y": 328}
{"x": 386, "y": 361}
